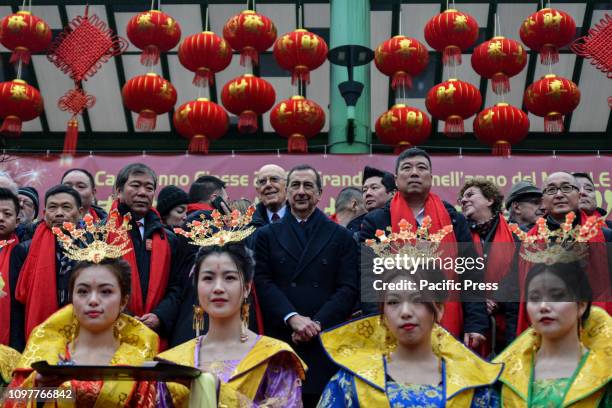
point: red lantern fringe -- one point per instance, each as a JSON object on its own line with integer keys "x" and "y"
{"x": 302, "y": 73}
{"x": 11, "y": 126}
{"x": 453, "y": 126}
{"x": 20, "y": 54}
{"x": 199, "y": 144}
{"x": 401, "y": 79}
{"x": 204, "y": 77}
{"x": 297, "y": 144}
{"x": 500, "y": 83}
{"x": 451, "y": 56}
{"x": 146, "y": 120}
{"x": 553, "y": 123}
{"x": 549, "y": 55}
{"x": 247, "y": 122}
{"x": 150, "y": 56}
{"x": 401, "y": 146}
{"x": 502, "y": 148}
{"x": 71, "y": 138}
{"x": 249, "y": 52}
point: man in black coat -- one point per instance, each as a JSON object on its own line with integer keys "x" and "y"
{"x": 306, "y": 277}
{"x": 270, "y": 184}
{"x": 413, "y": 179}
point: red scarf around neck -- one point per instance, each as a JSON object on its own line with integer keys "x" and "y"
{"x": 499, "y": 258}
{"x": 159, "y": 271}
{"x": 37, "y": 284}
{"x": 94, "y": 214}
{"x": 193, "y": 207}
{"x": 5, "y": 301}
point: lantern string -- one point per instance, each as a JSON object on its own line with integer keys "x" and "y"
{"x": 206, "y": 27}
{"x": 399, "y": 30}
{"x": 300, "y": 12}
{"x": 19, "y": 67}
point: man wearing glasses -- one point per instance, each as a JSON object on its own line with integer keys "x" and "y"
{"x": 588, "y": 199}
{"x": 270, "y": 185}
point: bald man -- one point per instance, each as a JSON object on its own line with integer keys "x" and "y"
{"x": 270, "y": 184}
{"x": 6, "y": 181}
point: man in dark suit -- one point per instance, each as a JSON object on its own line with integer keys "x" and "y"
{"x": 270, "y": 184}
{"x": 306, "y": 276}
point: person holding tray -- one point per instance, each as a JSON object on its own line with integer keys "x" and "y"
{"x": 92, "y": 330}
{"x": 254, "y": 370}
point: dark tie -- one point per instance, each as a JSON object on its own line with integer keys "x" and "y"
{"x": 140, "y": 225}
{"x": 275, "y": 217}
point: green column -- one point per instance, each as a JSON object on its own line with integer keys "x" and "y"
{"x": 350, "y": 24}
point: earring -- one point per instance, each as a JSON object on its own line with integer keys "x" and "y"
{"x": 536, "y": 341}
{"x": 198, "y": 319}
{"x": 244, "y": 317}
{"x": 580, "y": 333}
{"x": 390, "y": 341}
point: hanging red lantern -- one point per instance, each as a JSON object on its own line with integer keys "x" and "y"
{"x": 19, "y": 102}
{"x": 546, "y": 31}
{"x": 149, "y": 95}
{"x": 300, "y": 52}
{"x": 24, "y": 33}
{"x": 248, "y": 96}
{"x": 153, "y": 32}
{"x": 403, "y": 127}
{"x": 401, "y": 58}
{"x": 450, "y": 33}
{"x": 453, "y": 101}
{"x": 499, "y": 59}
{"x": 205, "y": 54}
{"x": 552, "y": 97}
{"x": 297, "y": 119}
{"x": 200, "y": 121}
{"x": 501, "y": 126}
{"x": 249, "y": 33}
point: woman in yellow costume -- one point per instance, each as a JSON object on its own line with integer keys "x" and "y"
{"x": 92, "y": 330}
{"x": 254, "y": 370}
{"x": 564, "y": 359}
{"x": 403, "y": 357}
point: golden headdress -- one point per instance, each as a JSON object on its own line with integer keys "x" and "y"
{"x": 564, "y": 245}
{"x": 219, "y": 229}
{"x": 413, "y": 242}
{"x": 95, "y": 242}
{"x": 4, "y": 243}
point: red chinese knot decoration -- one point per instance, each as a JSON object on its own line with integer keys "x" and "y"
{"x": 149, "y": 95}
{"x": 297, "y": 119}
{"x": 248, "y": 96}
{"x": 300, "y": 52}
{"x": 19, "y": 102}
{"x": 200, "y": 121}
{"x": 451, "y": 32}
{"x": 401, "y": 58}
{"x": 403, "y": 127}
{"x": 453, "y": 101}
{"x": 499, "y": 59}
{"x": 153, "y": 32}
{"x": 24, "y": 33}
{"x": 546, "y": 31}
{"x": 501, "y": 126}
{"x": 205, "y": 54}
{"x": 596, "y": 45}
{"x": 74, "y": 101}
{"x": 552, "y": 97}
{"x": 249, "y": 33}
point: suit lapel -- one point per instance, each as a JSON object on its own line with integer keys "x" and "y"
{"x": 286, "y": 237}
{"x": 320, "y": 235}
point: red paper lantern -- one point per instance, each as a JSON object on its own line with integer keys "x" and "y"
{"x": 403, "y": 127}
{"x": 499, "y": 59}
{"x": 24, "y": 33}
{"x": 297, "y": 119}
{"x": 546, "y": 31}
{"x": 453, "y": 101}
{"x": 451, "y": 32}
{"x": 249, "y": 33}
{"x": 149, "y": 95}
{"x": 153, "y": 32}
{"x": 19, "y": 102}
{"x": 401, "y": 58}
{"x": 552, "y": 97}
{"x": 205, "y": 54}
{"x": 300, "y": 52}
{"x": 501, "y": 126}
{"x": 200, "y": 121}
{"x": 248, "y": 96}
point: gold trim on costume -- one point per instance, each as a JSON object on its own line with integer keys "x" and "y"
{"x": 220, "y": 230}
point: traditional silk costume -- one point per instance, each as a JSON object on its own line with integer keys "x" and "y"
{"x": 363, "y": 381}
{"x": 269, "y": 375}
{"x": 8, "y": 361}
{"x": 49, "y": 342}
{"x": 589, "y": 386}
{"x": 6, "y": 300}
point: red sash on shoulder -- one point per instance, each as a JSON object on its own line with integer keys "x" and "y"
{"x": 5, "y": 301}
{"x": 94, "y": 214}
{"x": 499, "y": 258}
{"x": 37, "y": 285}
{"x": 193, "y": 207}
{"x": 435, "y": 209}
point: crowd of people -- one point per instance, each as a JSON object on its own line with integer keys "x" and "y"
{"x": 274, "y": 313}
